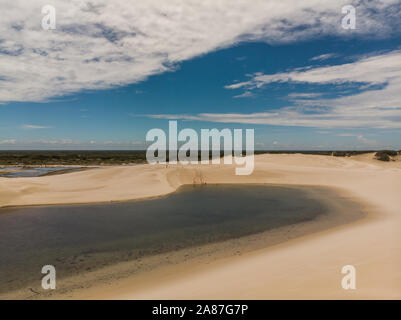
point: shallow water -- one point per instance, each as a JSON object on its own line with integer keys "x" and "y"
{"x": 79, "y": 238}
{"x": 16, "y": 172}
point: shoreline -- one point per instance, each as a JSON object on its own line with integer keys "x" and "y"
{"x": 339, "y": 191}
{"x": 372, "y": 244}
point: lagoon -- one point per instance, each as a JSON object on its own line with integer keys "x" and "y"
{"x": 30, "y": 172}
{"x": 83, "y": 238}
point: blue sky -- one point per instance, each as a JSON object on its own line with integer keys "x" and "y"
{"x": 317, "y": 90}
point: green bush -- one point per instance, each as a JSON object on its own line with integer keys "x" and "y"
{"x": 385, "y": 155}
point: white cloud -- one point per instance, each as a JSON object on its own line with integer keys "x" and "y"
{"x": 378, "y": 69}
{"x": 246, "y": 94}
{"x": 366, "y": 141}
{"x": 346, "y": 135}
{"x": 360, "y": 137}
{"x": 378, "y": 107}
{"x": 101, "y": 44}
{"x": 8, "y": 141}
{"x": 324, "y": 57}
{"x": 303, "y": 95}
{"x": 33, "y": 126}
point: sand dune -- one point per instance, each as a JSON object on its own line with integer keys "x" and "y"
{"x": 307, "y": 267}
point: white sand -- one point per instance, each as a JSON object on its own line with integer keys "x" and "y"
{"x": 306, "y": 267}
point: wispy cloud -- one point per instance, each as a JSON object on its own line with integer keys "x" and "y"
{"x": 8, "y": 141}
{"x": 323, "y": 57}
{"x": 304, "y": 95}
{"x": 98, "y": 47}
{"x": 246, "y": 94}
{"x": 33, "y": 127}
{"x": 346, "y": 135}
{"x": 378, "y": 69}
{"x": 360, "y": 137}
{"x": 289, "y": 116}
{"x": 364, "y": 140}
{"x": 376, "y": 105}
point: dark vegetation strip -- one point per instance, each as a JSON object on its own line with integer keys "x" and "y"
{"x": 107, "y": 157}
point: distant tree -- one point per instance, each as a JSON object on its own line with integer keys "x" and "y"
{"x": 385, "y": 155}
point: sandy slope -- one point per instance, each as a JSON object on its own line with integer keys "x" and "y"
{"x": 307, "y": 267}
